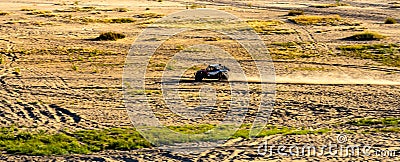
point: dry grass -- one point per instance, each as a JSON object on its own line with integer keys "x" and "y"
{"x": 315, "y": 19}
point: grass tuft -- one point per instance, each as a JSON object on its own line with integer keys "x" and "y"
{"x": 13, "y": 141}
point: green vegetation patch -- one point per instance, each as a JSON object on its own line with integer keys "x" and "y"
{"x": 14, "y": 141}
{"x": 82, "y": 142}
{"x": 387, "y": 54}
{"x": 316, "y": 19}
{"x": 390, "y": 125}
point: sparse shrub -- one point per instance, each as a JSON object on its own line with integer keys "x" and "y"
{"x": 147, "y": 9}
{"x": 121, "y": 9}
{"x": 295, "y": 12}
{"x": 366, "y": 36}
{"x": 110, "y": 36}
{"x": 390, "y": 20}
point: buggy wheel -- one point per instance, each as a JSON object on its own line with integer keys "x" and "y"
{"x": 198, "y": 77}
{"x": 223, "y": 76}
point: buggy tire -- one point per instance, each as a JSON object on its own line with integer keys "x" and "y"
{"x": 198, "y": 77}
{"x": 223, "y": 76}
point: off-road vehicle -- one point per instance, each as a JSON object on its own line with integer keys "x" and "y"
{"x": 213, "y": 71}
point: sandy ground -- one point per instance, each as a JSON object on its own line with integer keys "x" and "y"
{"x": 316, "y": 92}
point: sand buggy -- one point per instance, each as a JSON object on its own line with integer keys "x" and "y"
{"x": 214, "y": 71}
